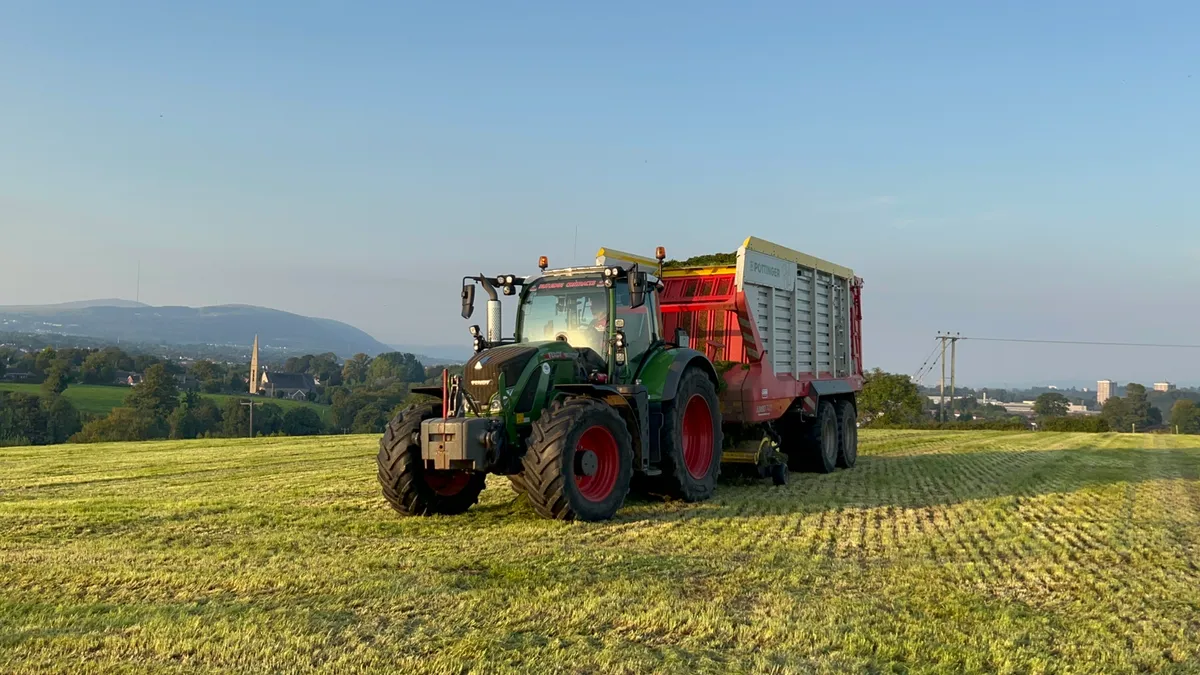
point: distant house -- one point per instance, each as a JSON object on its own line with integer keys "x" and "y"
{"x": 295, "y": 386}
{"x": 187, "y": 382}
{"x": 127, "y": 378}
{"x": 17, "y": 376}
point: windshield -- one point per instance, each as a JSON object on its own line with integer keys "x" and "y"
{"x": 574, "y": 310}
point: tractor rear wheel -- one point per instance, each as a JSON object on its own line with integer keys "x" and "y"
{"x": 410, "y": 488}
{"x": 847, "y": 434}
{"x": 579, "y": 461}
{"x": 691, "y": 433}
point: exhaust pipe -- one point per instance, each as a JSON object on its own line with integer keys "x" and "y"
{"x": 493, "y": 310}
{"x": 493, "y": 321}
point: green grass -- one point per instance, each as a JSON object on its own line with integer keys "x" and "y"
{"x": 100, "y": 400}
{"x": 89, "y": 398}
{"x": 941, "y": 552}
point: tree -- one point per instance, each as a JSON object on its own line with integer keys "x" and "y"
{"x": 57, "y": 376}
{"x": 196, "y": 417}
{"x": 205, "y": 370}
{"x": 1116, "y": 413}
{"x": 1140, "y": 412}
{"x": 355, "y": 369}
{"x": 1051, "y": 404}
{"x": 98, "y": 368}
{"x": 302, "y": 421}
{"x": 157, "y": 395}
{"x": 22, "y": 419}
{"x": 889, "y": 398}
{"x": 325, "y": 368}
{"x": 235, "y": 418}
{"x": 43, "y": 360}
{"x": 397, "y": 366}
{"x": 370, "y": 419}
{"x": 123, "y": 424}
{"x": 1185, "y": 416}
{"x": 62, "y": 419}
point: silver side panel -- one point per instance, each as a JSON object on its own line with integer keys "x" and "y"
{"x": 802, "y": 314}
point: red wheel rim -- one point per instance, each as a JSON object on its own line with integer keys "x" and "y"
{"x": 697, "y": 437}
{"x": 447, "y": 483}
{"x": 599, "y": 485}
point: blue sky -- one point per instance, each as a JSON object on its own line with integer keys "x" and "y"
{"x": 1021, "y": 169}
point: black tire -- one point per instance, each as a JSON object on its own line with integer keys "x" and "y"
{"x": 797, "y": 441}
{"x": 407, "y": 486}
{"x": 517, "y": 481}
{"x": 779, "y": 474}
{"x": 824, "y": 439}
{"x": 694, "y": 481}
{"x": 556, "y": 484}
{"x": 847, "y": 434}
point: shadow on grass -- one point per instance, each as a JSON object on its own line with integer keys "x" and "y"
{"x": 917, "y": 481}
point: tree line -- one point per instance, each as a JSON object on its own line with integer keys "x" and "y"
{"x": 894, "y": 400}
{"x": 363, "y": 393}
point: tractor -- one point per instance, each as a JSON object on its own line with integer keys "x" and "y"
{"x": 586, "y": 398}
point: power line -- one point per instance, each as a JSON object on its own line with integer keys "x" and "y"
{"x": 1083, "y": 342}
{"x": 919, "y": 374}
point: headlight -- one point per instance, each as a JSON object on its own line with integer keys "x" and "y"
{"x": 495, "y": 406}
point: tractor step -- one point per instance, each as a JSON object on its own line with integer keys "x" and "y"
{"x": 651, "y": 471}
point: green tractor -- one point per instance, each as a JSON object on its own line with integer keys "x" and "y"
{"x": 587, "y": 398}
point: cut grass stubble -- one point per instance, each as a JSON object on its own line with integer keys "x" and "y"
{"x": 941, "y": 551}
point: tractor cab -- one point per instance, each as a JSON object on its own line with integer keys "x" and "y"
{"x": 604, "y": 313}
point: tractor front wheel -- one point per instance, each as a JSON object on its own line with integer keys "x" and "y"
{"x": 579, "y": 461}
{"x": 410, "y": 488}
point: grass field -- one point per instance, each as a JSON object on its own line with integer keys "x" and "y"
{"x": 100, "y": 400}
{"x": 940, "y": 552}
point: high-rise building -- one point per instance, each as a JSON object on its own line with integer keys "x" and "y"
{"x": 1105, "y": 389}
{"x": 1163, "y": 386}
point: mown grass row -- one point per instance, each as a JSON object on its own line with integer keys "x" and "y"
{"x": 941, "y": 551}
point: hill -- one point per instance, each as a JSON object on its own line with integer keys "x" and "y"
{"x": 941, "y": 552}
{"x": 217, "y": 325}
{"x": 78, "y": 304}
{"x": 436, "y": 354}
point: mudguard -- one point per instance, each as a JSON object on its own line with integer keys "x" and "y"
{"x": 662, "y": 372}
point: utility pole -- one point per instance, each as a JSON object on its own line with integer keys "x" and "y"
{"x": 953, "y": 387}
{"x": 251, "y": 404}
{"x": 942, "y": 382}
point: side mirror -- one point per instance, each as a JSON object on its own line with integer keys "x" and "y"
{"x": 637, "y": 289}
{"x": 468, "y": 300}
{"x": 681, "y": 338}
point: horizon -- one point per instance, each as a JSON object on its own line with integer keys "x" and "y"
{"x": 462, "y": 352}
{"x": 999, "y": 173}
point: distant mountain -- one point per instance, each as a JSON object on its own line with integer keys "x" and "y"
{"x": 432, "y": 355}
{"x": 219, "y": 325}
{"x": 78, "y": 304}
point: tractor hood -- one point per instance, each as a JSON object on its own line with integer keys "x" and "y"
{"x": 481, "y": 375}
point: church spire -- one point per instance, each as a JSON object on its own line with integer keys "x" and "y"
{"x": 254, "y": 368}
